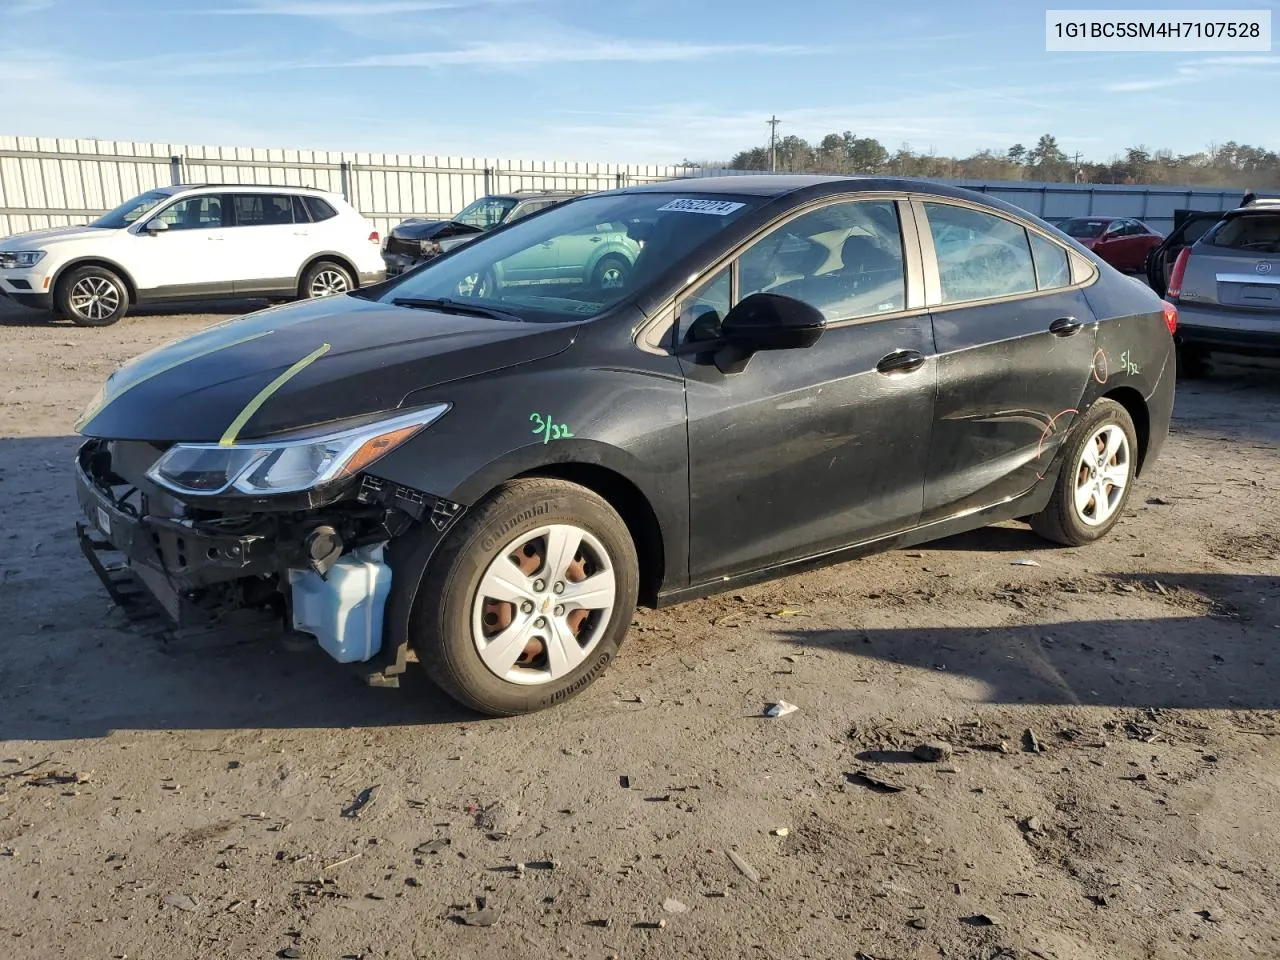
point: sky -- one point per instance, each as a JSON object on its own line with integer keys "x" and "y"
{"x": 649, "y": 81}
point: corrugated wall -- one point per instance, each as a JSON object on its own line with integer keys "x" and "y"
{"x": 52, "y": 182}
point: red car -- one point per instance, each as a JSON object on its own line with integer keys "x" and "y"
{"x": 1121, "y": 241}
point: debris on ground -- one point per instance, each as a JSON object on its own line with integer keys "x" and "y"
{"x": 1028, "y": 562}
{"x": 934, "y": 751}
{"x": 1033, "y": 825}
{"x": 1031, "y": 743}
{"x": 874, "y": 783}
{"x": 362, "y": 800}
{"x": 744, "y": 868}
{"x": 672, "y": 905}
{"x": 780, "y": 831}
{"x": 781, "y": 709}
{"x": 432, "y": 846}
{"x": 180, "y": 901}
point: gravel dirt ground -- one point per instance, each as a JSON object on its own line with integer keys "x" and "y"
{"x": 1114, "y": 716}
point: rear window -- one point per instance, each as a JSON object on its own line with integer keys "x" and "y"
{"x": 319, "y": 209}
{"x": 1083, "y": 227}
{"x": 1253, "y": 232}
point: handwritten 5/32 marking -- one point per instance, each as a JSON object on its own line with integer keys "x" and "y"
{"x": 548, "y": 428}
{"x": 1126, "y": 361}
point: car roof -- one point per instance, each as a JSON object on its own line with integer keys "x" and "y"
{"x": 250, "y": 188}
{"x": 535, "y": 194}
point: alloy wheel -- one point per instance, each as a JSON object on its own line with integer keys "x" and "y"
{"x": 328, "y": 282}
{"x": 543, "y": 604}
{"x": 94, "y": 298}
{"x": 1102, "y": 473}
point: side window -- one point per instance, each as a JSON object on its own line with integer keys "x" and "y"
{"x": 525, "y": 209}
{"x": 300, "y": 214}
{"x": 844, "y": 258}
{"x": 319, "y": 210}
{"x": 701, "y": 311}
{"x": 1053, "y": 268}
{"x": 194, "y": 213}
{"x": 262, "y": 209}
{"x": 980, "y": 255}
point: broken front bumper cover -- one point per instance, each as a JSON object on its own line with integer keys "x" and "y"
{"x": 169, "y": 557}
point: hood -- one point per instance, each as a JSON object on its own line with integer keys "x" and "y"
{"x": 303, "y": 364}
{"x": 433, "y": 230}
{"x": 26, "y": 241}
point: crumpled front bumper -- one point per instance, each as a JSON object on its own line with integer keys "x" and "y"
{"x": 169, "y": 557}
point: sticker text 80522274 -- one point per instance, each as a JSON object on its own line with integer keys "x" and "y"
{"x": 718, "y": 208}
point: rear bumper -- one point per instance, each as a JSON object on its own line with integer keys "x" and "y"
{"x": 1255, "y": 333}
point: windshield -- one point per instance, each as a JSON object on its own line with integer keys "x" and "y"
{"x": 1083, "y": 227}
{"x": 576, "y": 260}
{"x": 130, "y": 210}
{"x": 485, "y": 213}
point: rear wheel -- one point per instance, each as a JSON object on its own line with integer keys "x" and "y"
{"x": 528, "y": 599}
{"x": 611, "y": 273}
{"x": 1096, "y": 478}
{"x": 325, "y": 278}
{"x": 92, "y": 297}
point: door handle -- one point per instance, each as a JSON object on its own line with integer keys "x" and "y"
{"x": 1065, "y": 326}
{"x": 902, "y": 361}
{"x": 215, "y": 238}
{"x": 595, "y": 239}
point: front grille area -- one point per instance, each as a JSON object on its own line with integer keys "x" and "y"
{"x": 406, "y": 248}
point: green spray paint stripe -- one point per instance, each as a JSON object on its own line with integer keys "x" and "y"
{"x": 250, "y": 408}
{"x": 108, "y": 400}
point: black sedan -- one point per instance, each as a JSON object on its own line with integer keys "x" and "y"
{"x": 493, "y": 458}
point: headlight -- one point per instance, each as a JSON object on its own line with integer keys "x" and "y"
{"x": 285, "y": 466}
{"x": 429, "y": 248}
{"x": 20, "y": 259}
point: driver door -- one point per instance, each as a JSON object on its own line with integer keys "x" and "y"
{"x": 193, "y": 256}
{"x": 809, "y": 450}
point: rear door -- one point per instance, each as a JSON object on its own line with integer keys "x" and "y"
{"x": 1188, "y": 227}
{"x": 268, "y": 248}
{"x": 806, "y": 451}
{"x": 1015, "y": 342}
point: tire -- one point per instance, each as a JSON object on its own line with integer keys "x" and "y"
{"x": 325, "y": 278}
{"x": 611, "y": 273}
{"x": 453, "y": 618}
{"x": 91, "y": 297}
{"x": 1064, "y": 520}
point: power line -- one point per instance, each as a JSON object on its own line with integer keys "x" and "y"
{"x": 773, "y": 122}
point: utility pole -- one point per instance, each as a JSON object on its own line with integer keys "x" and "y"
{"x": 1075, "y": 170}
{"x": 773, "y": 122}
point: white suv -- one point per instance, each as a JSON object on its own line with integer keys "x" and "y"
{"x": 194, "y": 242}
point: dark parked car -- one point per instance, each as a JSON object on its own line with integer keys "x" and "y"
{"x": 418, "y": 239}
{"x": 798, "y": 370}
{"x": 1121, "y": 241}
{"x": 1227, "y": 287}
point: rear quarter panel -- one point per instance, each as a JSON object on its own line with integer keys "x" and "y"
{"x": 1134, "y": 354}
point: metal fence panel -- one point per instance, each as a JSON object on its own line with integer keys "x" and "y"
{"x": 48, "y": 182}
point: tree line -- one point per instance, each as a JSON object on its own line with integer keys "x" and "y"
{"x": 1227, "y": 165}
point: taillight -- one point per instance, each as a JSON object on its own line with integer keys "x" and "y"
{"x": 374, "y": 238}
{"x": 1170, "y": 317}
{"x": 1179, "y": 270}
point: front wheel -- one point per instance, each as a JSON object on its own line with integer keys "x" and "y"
{"x": 611, "y": 273}
{"x": 1096, "y": 478}
{"x": 92, "y": 297}
{"x": 528, "y": 600}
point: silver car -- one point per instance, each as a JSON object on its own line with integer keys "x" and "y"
{"x": 1226, "y": 287}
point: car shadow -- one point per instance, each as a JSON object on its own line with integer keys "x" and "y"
{"x": 14, "y": 315}
{"x": 1208, "y": 654}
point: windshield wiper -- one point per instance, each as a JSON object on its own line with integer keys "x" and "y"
{"x": 445, "y": 305}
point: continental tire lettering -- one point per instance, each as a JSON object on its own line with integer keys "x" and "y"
{"x": 524, "y": 516}
{"x": 582, "y": 681}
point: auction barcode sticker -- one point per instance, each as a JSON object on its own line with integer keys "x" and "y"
{"x": 1158, "y": 31}
{"x": 717, "y": 207}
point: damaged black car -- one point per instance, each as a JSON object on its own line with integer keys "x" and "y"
{"x": 486, "y": 463}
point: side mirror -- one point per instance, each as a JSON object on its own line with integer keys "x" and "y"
{"x": 766, "y": 321}
{"x": 156, "y": 226}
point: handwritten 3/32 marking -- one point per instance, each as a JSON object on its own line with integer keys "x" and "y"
{"x": 549, "y": 429}
{"x": 1126, "y": 362}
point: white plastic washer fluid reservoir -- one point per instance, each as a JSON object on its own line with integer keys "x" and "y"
{"x": 344, "y": 610}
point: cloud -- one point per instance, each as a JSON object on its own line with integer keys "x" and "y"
{"x": 21, "y": 8}
{"x": 339, "y": 8}
{"x": 1137, "y": 86}
{"x": 515, "y": 53}
{"x": 1202, "y": 68}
